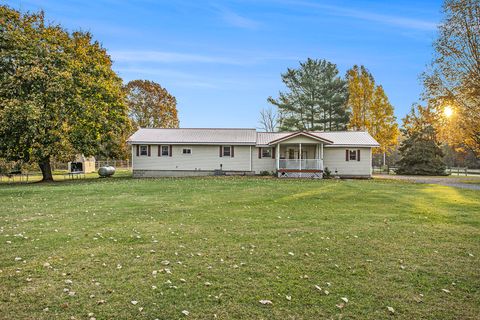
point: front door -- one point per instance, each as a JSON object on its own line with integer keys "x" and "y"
{"x": 292, "y": 154}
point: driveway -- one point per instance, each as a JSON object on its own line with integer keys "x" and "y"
{"x": 470, "y": 182}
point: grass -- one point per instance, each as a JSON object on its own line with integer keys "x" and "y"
{"x": 216, "y": 246}
{"x": 59, "y": 175}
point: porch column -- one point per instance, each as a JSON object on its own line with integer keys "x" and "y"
{"x": 321, "y": 155}
{"x": 277, "y": 156}
{"x": 300, "y": 156}
{"x": 318, "y": 156}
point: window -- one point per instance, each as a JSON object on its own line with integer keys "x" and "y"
{"x": 144, "y": 150}
{"x": 352, "y": 155}
{"x": 227, "y": 151}
{"x": 266, "y": 152}
{"x": 187, "y": 151}
{"x": 165, "y": 151}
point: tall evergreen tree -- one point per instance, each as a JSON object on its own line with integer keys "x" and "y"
{"x": 420, "y": 151}
{"x": 315, "y": 100}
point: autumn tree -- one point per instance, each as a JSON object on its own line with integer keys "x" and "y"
{"x": 453, "y": 82}
{"x": 315, "y": 98}
{"x": 420, "y": 149}
{"x": 361, "y": 89}
{"x": 150, "y": 105}
{"x": 371, "y": 110}
{"x": 58, "y": 93}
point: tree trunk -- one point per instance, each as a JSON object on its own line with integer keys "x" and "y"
{"x": 46, "y": 169}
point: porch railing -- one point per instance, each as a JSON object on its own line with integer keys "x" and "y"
{"x": 303, "y": 164}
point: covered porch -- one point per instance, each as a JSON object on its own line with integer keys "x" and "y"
{"x": 299, "y": 160}
{"x": 299, "y": 156}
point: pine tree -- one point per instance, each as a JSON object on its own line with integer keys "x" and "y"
{"x": 315, "y": 100}
{"x": 420, "y": 151}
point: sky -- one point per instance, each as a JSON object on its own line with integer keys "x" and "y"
{"x": 223, "y": 59}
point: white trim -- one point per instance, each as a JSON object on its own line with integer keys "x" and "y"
{"x": 140, "y": 150}
{"x": 277, "y": 157}
{"x": 300, "y": 155}
{"x": 161, "y": 151}
{"x": 261, "y": 153}
{"x": 229, "y": 153}
{"x": 250, "y": 158}
{"x": 133, "y": 153}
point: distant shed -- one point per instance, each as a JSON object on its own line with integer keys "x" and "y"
{"x": 82, "y": 164}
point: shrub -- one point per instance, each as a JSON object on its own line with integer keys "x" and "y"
{"x": 327, "y": 174}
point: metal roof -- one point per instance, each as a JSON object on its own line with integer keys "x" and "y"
{"x": 339, "y": 138}
{"x": 349, "y": 138}
{"x": 194, "y": 136}
{"x": 215, "y": 136}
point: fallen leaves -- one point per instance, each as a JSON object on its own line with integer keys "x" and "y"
{"x": 391, "y": 310}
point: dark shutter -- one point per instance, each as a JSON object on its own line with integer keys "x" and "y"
{"x": 273, "y": 153}
{"x": 346, "y": 155}
{"x": 221, "y": 149}
{"x": 259, "y": 153}
{"x": 170, "y": 149}
{"x": 159, "y": 150}
{"x": 358, "y": 155}
{"x": 148, "y": 150}
{"x": 138, "y": 150}
{"x": 231, "y": 152}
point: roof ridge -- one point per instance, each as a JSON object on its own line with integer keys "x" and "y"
{"x": 198, "y": 128}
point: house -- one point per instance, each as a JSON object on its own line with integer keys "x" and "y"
{"x": 199, "y": 152}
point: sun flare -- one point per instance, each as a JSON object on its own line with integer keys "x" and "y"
{"x": 448, "y": 111}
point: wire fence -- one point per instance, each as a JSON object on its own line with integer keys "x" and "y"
{"x": 118, "y": 164}
{"x": 10, "y": 172}
{"x": 454, "y": 171}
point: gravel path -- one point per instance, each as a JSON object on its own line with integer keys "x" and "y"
{"x": 458, "y": 182}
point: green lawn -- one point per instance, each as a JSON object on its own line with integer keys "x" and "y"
{"x": 216, "y": 246}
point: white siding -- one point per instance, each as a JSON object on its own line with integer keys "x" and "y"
{"x": 206, "y": 158}
{"x": 264, "y": 164}
{"x": 334, "y": 159}
{"x": 203, "y": 157}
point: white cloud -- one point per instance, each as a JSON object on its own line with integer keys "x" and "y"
{"x": 166, "y": 57}
{"x": 344, "y": 11}
{"x": 169, "y": 57}
{"x": 236, "y": 20}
